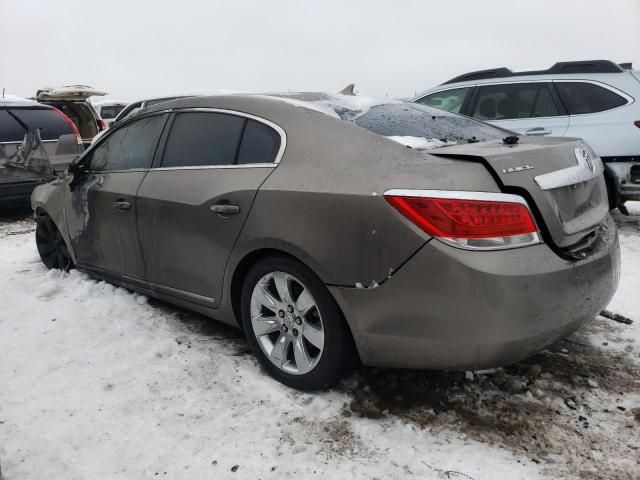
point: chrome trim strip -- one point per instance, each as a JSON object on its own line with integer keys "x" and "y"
{"x": 275, "y": 126}
{"x": 459, "y": 195}
{"x": 571, "y": 175}
{"x": 19, "y": 142}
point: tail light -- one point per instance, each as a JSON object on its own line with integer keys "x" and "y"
{"x": 471, "y": 220}
{"x": 73, "y": 126}
{"x": 101, "y": 125}
{"x": 637, "y": 123}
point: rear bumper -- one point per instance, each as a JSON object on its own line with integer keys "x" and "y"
{"x": 455, "y": 309}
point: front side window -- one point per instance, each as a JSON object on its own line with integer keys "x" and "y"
{"x": 131, "y": 146}
{"x": 580, "y": 97}
{"x": 512, "y": 101}
{"x": 203, "y": 139}
{"x": 449, "y": 100}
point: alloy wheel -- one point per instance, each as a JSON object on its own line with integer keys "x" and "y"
{"x": 287, "y": 323}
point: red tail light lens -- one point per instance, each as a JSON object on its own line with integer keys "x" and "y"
{"x": 637, "y": 123}
{"x": 473, "y": 220}
{"x": 101, "y": 125}
{"x": 73, "y": 126}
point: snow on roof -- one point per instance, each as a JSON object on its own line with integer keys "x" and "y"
{"x": 15, "y": 101}
{"x": 335, "y": 105}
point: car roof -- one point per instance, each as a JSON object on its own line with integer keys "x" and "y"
{"x": 14, "y": 101}
{"x": 559, "y": 68}
{"x": 330, "y": 104}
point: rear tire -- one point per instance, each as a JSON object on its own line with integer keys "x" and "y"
{"x": 51, "y": 246}
{"x": 294, "y": 326}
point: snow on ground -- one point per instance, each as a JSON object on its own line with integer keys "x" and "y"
{"x": 100, "y": 383}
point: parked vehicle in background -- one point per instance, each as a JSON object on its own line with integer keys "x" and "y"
{"x": 73, "y": 101}
{"x": 109, "y": 110}
{"x": 36, "y": 142}
{"x": 330, "y": 226}
{"x": 597, "y": 100}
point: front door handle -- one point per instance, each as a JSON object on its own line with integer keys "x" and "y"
{"x": 537, "y": 131}
{"x": 225, "y": 209}
{"x": 122, "y": 205}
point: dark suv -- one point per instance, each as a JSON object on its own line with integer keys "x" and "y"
{"x": 36, "y": 142}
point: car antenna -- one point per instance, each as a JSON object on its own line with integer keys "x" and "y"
{"x": 2, "y": 92}
{"x": 348, "y": 90}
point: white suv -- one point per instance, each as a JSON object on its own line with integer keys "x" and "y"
{"x": 597, "y": 100}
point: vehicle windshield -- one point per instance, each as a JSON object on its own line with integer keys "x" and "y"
{"x": 408, "y": 122}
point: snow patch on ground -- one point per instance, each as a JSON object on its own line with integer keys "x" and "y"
{"x": 98, "y": 382}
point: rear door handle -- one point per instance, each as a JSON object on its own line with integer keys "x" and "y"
{"x": 122, "y": 205}
{"x": 537, "y": 131}
{"x": 225, "y": 209}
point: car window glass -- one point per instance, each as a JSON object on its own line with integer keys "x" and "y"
{"x": 415, "y": 120}
{"x": 108, "y": 112}
{"x": 449, "y": 100}
{"x": 510, "y": 101}
{"x": 202, "y": 139}
{"x": 131, "y": 146}
{"x": 260, "y": 143}
{"x": 51, "y": 124}
{"x": 579, "y": 97}
{"x": 10, "y": 129}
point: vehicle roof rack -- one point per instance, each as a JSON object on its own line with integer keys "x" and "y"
{"x": 585, "y": 66}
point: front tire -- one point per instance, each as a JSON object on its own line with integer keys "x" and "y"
{"x": 51, "y": 246}
{"x": 294, "y": 325}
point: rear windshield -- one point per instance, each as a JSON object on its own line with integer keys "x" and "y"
{"x": 413, "y": 120}
{"x": 15, "y": 122}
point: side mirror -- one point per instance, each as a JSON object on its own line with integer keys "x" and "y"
{"x": 78, "y": 170}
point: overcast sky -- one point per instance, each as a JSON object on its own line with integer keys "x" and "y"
{"x": 143, "y": 48}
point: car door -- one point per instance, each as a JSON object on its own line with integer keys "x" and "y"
{"x": 595, "y": 114}
{"x": 102, "y": 217}
{"x": 191, "y": 208}
{"x": 529, "y": 108}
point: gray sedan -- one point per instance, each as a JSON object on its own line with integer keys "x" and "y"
{"x": 336, "y": 228}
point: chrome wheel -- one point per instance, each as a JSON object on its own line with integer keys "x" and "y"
{"x": 287, "y": 323}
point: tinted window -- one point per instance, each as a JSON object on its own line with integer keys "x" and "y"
{"x": 413, "y": 120}
{"x": 131, "y": 146}
{"x": 10, "y": 129}
{"x": 518, "y": 100}
{"x": 203, "y": 138}
{"x": 449, "y": 100}
{"x": 579, "y": 97}
{"x": 50, "y": 122}
{"x": 260, "y": 143}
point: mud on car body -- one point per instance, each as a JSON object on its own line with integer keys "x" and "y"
{"x": 337, "y": 228}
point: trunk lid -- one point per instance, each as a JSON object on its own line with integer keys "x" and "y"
{"x": 561, "y": 178}
{"x": 68, "y": 92}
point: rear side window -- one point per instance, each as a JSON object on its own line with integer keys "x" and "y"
{"x": 10, "y": 129}
{"x": 202, "y": 139}
{"x": 260, "y": 143}
{"x": 517, "y": 100}
{"x": 449, "y": 100}
{"x": 579, "y": 97}
{"x": 131, "y": 146}
{"x": 51, "y": 124}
